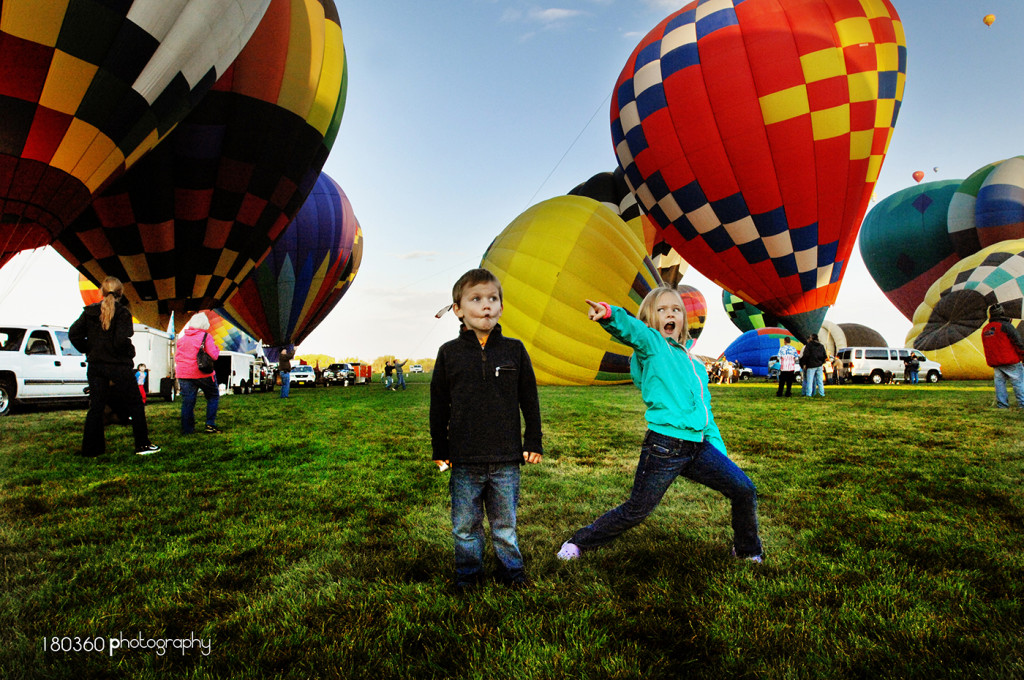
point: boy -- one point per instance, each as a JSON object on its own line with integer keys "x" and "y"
{"x": 481, "y": 381}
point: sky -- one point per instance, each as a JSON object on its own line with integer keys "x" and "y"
{"x": 462, "y": 114}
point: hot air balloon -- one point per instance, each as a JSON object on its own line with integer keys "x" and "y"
{"x": 918, "y": 175}
{"x": 611, "y": 189}
{"x": 89, "y": 291}
{"x": 87, "y": 89}
{"x": 753, "y": 133}
{"x": 744, "y": 315}
{"x": 230, "y": 337}
{"x": 696, "y": 312}
{"x": 999, "y": 210}
{"x": 303, "y": 277}
{"x": 989, "y": 19}
{"x": 947, "y": 325}
{"x": 905, "y": 242}
{"x": 754, "y": 348}
{"x": 961, "y": 221}
{"x": 550, "y": 259}
{"x": 185, "y": 225}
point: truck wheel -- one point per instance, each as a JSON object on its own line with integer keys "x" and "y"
{"x": 6, "y": 396}
{"x": 168, "y": 389}
{"x": 933, "y": 376}
{"x": 877, "y": 377}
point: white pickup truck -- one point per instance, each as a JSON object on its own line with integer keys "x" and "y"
{"x": 38, "y": 364}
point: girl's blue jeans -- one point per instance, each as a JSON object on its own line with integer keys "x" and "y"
{"x": 493, "y": 488}
{"x": 662, "y": 459}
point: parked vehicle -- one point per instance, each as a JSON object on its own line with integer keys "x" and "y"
{"x": 884, "y": 364}
{"x": 303, "y": 375}
{"x": 416, "y": 368}
{"x": 236, "y": 371}
{"x": 265, "y": 374}
{"x": 339, "y": 374}
{"x": 364, "y": 373}
{"x": 39, "y": 364}
{"x": 155, "y": 349}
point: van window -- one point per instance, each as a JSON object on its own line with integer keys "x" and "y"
{"x": 860, "y": 353}
{"x": 66, "y": 348}
{"x": 875, "y": 353}
{"x": 39, "y": 343}
{"x": 844, "y": 354}
{"x": 920, "y": 356}
{"x": 904, "y": 353}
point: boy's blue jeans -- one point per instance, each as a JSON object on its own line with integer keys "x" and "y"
{"x": 662, "y": 459}
{"x": 474, "y": 489}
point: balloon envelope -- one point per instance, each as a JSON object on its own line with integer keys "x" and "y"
{"x": 999, "y": 210}
{"x": 552, "y": 258}
{"x": 753, "y": 133}
{"x": 961, "y": 221}
{"x": 184, "y": 226}
{"x": 918, "y": 175}
{"x": 905, "y": 242}
{"x": 304, "y": 275}
{"x": 87, "y": 88}
{"x": 947, "y": 325}
{"x": 744, "y": 315}
{"x": 989, "y": 19}
{"x": 754, "y": 348}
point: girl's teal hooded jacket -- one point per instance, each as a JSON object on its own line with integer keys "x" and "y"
{"x": 672, "y": 384}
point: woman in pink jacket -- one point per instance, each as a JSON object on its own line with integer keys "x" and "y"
{"x": 190, "y": 379}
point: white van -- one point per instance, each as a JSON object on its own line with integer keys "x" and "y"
{"x": 883, "y": 364}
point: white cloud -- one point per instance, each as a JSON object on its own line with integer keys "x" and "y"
{"x": 419, "y": 255}
{"x": 554, "y": 15}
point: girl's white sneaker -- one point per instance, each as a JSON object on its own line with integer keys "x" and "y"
{"x": 569, "y": 551}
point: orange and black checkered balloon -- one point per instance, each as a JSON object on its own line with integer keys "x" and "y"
{"x": 87, "y": 88}
{"x": 184, "y": 226}
{"x": 753, "y": 131}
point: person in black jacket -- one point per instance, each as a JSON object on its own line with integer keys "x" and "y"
{"x": 481, "y": 382}
{"x": 812, "y": 359}
{"x": 104, "y": 334}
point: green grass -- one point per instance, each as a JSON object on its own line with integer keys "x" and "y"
{"x": 312, "y": 539}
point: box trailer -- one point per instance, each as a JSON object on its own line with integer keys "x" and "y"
{"x": 155, "y": 349}
{"x": 236, "y": 372}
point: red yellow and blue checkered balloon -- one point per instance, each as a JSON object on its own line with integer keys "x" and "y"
{"x": 753, "y": 132}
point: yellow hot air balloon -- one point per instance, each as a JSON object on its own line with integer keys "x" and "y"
{"x": 549, "y": 260}
{"x": 947, "y": 325}
{"x": 989, "y": 19}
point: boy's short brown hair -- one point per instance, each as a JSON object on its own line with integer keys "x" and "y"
{"x": 472, "y": 278}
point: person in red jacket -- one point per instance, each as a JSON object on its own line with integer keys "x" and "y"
{"x": 1003, "y": 351}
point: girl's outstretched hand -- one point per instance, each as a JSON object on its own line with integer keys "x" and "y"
{"x": 597, "y": 310}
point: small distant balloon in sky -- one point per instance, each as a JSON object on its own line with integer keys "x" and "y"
{"x": 918, "y": 175}
{"x": 989, "y": 19}
{"x": 935, "y": 169}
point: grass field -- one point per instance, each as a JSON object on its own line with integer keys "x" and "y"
{"x": 312, "y": 539}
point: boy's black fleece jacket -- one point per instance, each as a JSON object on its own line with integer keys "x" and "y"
{"x": 476, "y": 395}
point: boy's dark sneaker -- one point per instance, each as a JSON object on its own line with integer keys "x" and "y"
{"x": 512, "y": 580}
{"x": 463, "y": 584}
{"x": 147, "y": 449}
{"x": 210, "y": 429}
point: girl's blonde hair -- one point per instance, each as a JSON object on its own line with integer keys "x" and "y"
{"x": 112, "y": 289}
{"x": 647, "y": 314}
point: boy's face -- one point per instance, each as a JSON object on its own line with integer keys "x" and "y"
{"x": 671, "y": 315}
{"x": 480, "y": 308}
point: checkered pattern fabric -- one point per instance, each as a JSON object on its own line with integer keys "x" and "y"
{"x": 87, "y": 88}
{"x": 744, "y": 315}
{"x": 956, "y": 306}
{"x": 753, "y": 131}
{"x": 193, "y": 218}
{"x": 960, "y": 220}
{"x": 696, "y": 311}
{"x": 305, "y": 274}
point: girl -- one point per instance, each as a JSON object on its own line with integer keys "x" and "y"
{"x": 104, "y": 334}
{"x": 140, "y": 378}
{"x": 682, "y": 438}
